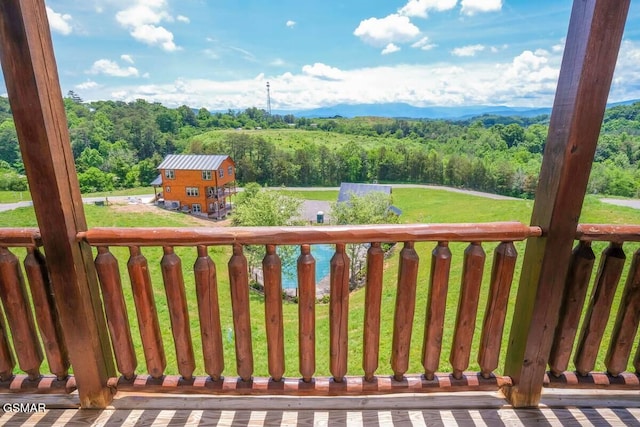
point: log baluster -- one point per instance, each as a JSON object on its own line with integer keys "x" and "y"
{"x": 626, "y": 326}
{"x": 16, "y": 305}
{"x": 7, "y": 362}
{"x": 373, "y": 297}
{"x": 272, "y": 272}
{"x": 405, "y": 309}
{"x": 597, "y": 315}
{"x": 472, "y": 270}
{"x": 209, "y": 312}
{"x": 577, "y": 283}
{"x": 504, "y": 264}
{"x": 171, "y": 266}
{"x": 239, "y": 281}
{"x": 146, "y": 312}
{"x": 115, "y": 309}
{"x": 307, "y": 312}
{"x": 436, "y": 309}
{"x": 46, "y": 314}
{"x": 339, "y": 313}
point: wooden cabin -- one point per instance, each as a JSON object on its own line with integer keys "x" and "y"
{"x": 71, "y": 310}
{"x": 196, "y": 183}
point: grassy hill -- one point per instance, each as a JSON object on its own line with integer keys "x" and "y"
{"x": 418, "y": 205}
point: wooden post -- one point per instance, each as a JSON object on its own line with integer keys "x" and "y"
{"x": 591, "y": 50}
{"x": 30, "y": 72}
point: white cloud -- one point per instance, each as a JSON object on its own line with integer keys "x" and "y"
{"x": 391, "y": 29}
{"x": 529, "y": 79}
{"x": 127, "y": 58}
{"x": 142, "y": 14}
{"x": 60, "y": 22}
{"x": 471, "y": 7}
{"x": 89, "y": 84}
{"x": 323, "y": 71}
{"x": 183, "y": 18}
{"x": 468, "y": 50}
{"x": 290, "y": 23}
{"x": 278, "y": 62}
{"x": 626, "y": 79}
{"x": 390, "y": 48}
{"x": 424, "y": 44}
{"x": 111, "y": 68}
{"x": 153, "y": 35}
{"x": 421, "y": 8}
{"x": 142, "y": 20}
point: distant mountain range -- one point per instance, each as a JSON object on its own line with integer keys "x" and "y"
{"x": 401, "y": 110}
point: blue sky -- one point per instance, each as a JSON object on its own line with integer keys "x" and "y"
{"x": 220, "y": 54}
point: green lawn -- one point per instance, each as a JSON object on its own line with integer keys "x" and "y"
{"x": 19, "y": 196}
{"x": 291, "y": 139}
{"x": 418, "y": 205}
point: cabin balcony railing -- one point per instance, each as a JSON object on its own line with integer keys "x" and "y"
{"x": 604, "y": 336}
{"x": 381, "y": 371}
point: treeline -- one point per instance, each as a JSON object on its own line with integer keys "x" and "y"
{"x": 119, "y": 145}
{"x": 324, "y": 164}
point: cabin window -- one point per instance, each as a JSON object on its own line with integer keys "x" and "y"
{"x": 206, "y": 175}
{"x": 195, "y": 208}
{"x": 193, "y": 191}
{"x": 170, "y": 174}
{"x": 230, "y": 171}
{"x": 221, "y": 173}
{"x": 167, "y": 189}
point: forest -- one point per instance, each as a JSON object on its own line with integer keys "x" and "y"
{"x": 118, "y": 145}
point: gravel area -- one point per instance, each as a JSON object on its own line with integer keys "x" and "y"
{"x": 310, "y": 209}
{"x": 631, "y": 203}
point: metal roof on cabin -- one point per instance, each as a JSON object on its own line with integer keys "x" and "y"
{"x": 348, "y": 188}
{"x": 156, "y": 182}
{"x": 192, "y": 162}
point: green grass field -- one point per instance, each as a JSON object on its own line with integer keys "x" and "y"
{"x": 291, "y": 139}
{"x": 20, "y": 196}
{"x": 418, "y": 205}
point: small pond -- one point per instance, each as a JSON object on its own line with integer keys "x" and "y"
{"x": 322, "y": 255}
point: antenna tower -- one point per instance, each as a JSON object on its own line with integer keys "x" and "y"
{"x": 268, "y": 99}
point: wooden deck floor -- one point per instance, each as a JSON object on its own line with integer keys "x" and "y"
{"x": 431, "y": 417}
{"x": 559, "y": 408}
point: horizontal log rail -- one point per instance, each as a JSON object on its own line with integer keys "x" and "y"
{"x": 20, "y": 237}
{"x": 483, "y": 232}
{"x": 608, "y": 233}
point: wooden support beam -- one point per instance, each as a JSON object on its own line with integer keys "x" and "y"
{"x": 31, "y": 76}
{"x": 591, "y": 50}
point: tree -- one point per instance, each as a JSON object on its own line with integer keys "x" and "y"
{"x": 95, "y": 180}
{"x": 369, "y": 208}
{"x": 257, "y": 207}
{"x": 89, "y": 158}
{"x": 9, "y": 147}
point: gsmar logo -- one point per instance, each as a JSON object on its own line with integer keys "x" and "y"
{"x": 24, "y": 407}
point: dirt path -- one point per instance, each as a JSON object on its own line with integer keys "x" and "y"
{"x": 123, "y": 206}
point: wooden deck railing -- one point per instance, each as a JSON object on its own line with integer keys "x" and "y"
{"x": 597, "y": 312}
{"x": 206, "y": 289}
{"x": 20, "y": 327}
{"x": 19, "y": 336}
